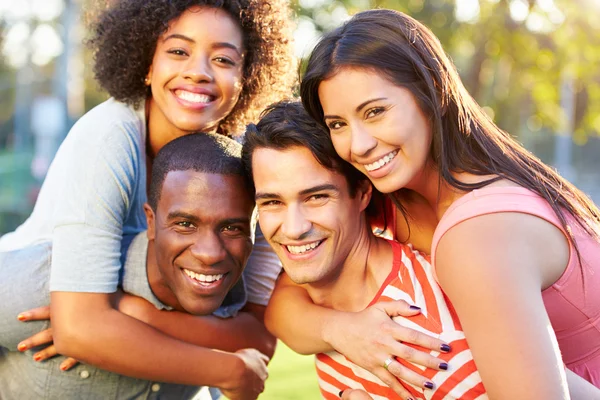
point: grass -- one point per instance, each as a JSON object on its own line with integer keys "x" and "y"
{"x": 291, "y": 377}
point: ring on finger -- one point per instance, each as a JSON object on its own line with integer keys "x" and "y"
{"x": 387, "y": 362}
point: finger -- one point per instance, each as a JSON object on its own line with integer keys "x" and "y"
{"x": 399, "y": 308}
{"x": 405, "y": 374}
{"x": 409, "y": 353}
{"x": 393, "y": 383}
{"x": 264, "y": 358}
{"x": 36, "y": 314}
{"x": 355, "y": 394}
{"x": 403, "y": 334}
{"x": 45, "y": 354}
{"x": 40, "y": 338}
{"x": 68, "y": 364}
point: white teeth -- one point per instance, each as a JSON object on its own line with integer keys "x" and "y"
{"x": 381, "y": 162}
{"x": 203, "y": 278}
{"x": 304, "y": 248}
{"x": 193, "y": 97}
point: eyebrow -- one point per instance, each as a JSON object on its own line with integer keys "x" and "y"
{"x": 226, "y": 221}
{"x": 232, "y": 221}
{"x": 181, "y": 214}
{"x": 215, "y": 45}
{"x": 318, "y": 188}
{"x": 357, "y": 110}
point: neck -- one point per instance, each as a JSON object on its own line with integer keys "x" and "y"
{"x": 434, "y": 192}
{"x": 359, "y": 278}
{"x": 156, "y": 281}
{"x": 161, "y": 131}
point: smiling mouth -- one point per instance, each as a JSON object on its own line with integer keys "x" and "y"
{"x": 305, "y": 248}
{"x": 206, "y": 280}
{"x": 381, "y": 162}
{"x": 193, "y": 97}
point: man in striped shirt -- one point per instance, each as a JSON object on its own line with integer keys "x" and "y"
{"x": 313, "y": 211}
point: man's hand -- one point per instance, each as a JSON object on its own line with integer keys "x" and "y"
{"x": 250, "y": 380}
{"x": 42, "y": 338}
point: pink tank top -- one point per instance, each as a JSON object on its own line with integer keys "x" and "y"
{"x": 572, "y": 302}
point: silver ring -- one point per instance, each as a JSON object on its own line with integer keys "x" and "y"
{"x": 387, "y": 362}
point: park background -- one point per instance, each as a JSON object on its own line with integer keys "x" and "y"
{"x": 533, "y": 64}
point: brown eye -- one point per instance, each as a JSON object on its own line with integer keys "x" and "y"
{"x": 373, "y": 112}
{"x": 335, "y": 125}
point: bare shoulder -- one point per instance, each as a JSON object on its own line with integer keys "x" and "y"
{"x": 512, "y": 243}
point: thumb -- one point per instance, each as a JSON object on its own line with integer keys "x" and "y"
{"x": 399, "y": 308}
{"x": 355, "y": 394}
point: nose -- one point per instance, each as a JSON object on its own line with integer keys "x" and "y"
{"x": 295, "y": 224}
{"x": 362, "y": 142}
{"x": 208, "y": 248}
{"x": 198, "y": 69}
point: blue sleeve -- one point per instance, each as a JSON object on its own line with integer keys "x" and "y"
{"x": 23, "y": 286}
{"x": 101, "y": 160}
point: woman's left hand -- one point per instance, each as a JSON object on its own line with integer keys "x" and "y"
{"x": 42, "y": 338}
{"x": 355, "y": 394}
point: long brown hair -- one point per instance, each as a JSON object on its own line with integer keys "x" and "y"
{"x": 464, "y": 137}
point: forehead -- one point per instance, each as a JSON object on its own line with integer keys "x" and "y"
{"x": 207, "y": 23}
{"x": 290, "y": 171}
{"x": 359, "y": 81}
{"x": 205, "y": 194}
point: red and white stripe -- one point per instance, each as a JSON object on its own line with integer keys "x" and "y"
{"x": 412, "y": 279}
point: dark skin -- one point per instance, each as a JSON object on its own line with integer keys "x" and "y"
{"x": 213, "y": 240}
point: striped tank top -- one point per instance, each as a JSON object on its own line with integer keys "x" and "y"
{"x": 412, "y": 280}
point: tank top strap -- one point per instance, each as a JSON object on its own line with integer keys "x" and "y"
{"x": 492, "y": 200}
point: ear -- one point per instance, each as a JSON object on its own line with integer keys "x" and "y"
{"x": 148, "y": 78}
{"x": 149, "y": 221}
{"x": 364, "y": 191}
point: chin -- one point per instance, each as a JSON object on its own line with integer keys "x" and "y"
{"x": 203, "y": 306}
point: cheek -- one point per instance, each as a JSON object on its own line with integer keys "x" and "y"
{"x": 341, "y": 144}
{"x": 268, "y": 223}
{"x": 239, "y": 250}
{"x": 233, "y": 84}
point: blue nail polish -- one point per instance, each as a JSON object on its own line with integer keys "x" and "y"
{"x": 415, "y": 308}
{"x": 428, "y": 385}
{"x": 445, "y": 348}
{"x": 444, "y": 366}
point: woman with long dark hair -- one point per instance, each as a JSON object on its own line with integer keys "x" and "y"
{"x": 513, "y": 244}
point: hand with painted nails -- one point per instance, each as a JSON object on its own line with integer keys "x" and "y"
{"x": 355, "y": 394}
{"x": 42, "y": 338}
{"x": 372, "y": 340}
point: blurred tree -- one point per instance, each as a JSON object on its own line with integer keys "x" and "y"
{"x": 513, "y": 55}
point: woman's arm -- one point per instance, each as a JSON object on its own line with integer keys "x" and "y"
{"x": 493, "y": 269}
{"x": 126, "y": 346}
{"x": 367, "y": 338}
{"x": 206, "y": 331}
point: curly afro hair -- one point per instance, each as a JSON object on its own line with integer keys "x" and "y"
{"x": 125, "y": 34}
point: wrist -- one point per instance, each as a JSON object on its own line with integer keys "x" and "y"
{"x": 329, "y": 328}
{"x": 229, "y": 372}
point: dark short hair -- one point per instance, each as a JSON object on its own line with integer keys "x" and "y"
{"x": 286, "y": 124}
{"x": 124, "y": 36}
{"x": 201, "y": 152}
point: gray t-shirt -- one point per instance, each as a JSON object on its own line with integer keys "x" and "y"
{"x": 27, "y": 272}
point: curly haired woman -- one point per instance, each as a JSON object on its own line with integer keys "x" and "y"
{"x": 172, "y": 68}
